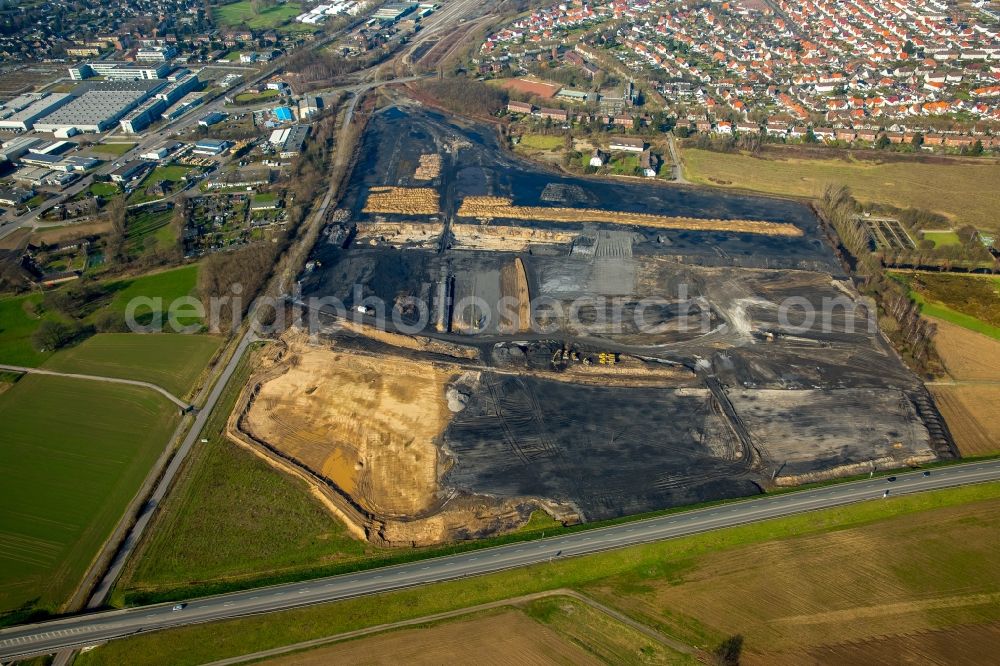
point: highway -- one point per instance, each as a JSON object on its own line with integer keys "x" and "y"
{"x": 93, "y": 628}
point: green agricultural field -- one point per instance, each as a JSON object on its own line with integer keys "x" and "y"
{"x": 74, "y": 452}
{"x": 21, "y": 315}
{"x": 174, "y": 362}
{"x": 238, "y": 13}
{"x": 972, "y": 302}
{"x": 965, "y": 192}
{"x": 902, "y": 565}
{"x": 165, "y": 285}
{"x": 116, "y": 149}
{"x": 541, "y": 142}
{"x": 17, "y": 323}
{"x": 231, "y": 515}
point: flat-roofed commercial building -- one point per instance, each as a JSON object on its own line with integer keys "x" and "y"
{"x": 211, "y": 147}
{"x": 119, "y": 71}
{"x": 20, "y": 117}
{"x": 99, "y": 105}
{"x": 143, "y": 115}
{"x": 294, "y": 140}
{"x": 155, "y": 54}
{"x": 13, "y": 149}
{"x": 183, "y": 105}
{"x": 130, "y": 171}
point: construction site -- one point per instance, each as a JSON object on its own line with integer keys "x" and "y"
{"x": 513, "y": 340}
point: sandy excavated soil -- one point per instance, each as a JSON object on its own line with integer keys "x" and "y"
{"x": 508, "y": 638}
{"x": 361, "y": 422}
{"x": 372, "y": 426}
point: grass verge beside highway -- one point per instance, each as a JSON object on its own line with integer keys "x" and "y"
{"x": 74, "y": 453}
{"x": 847, "y": 574}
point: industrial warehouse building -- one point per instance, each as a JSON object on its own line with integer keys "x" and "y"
{"x": 20, "y": 113}
{"x": 151, "y": 110}
{"x": 289, "y": 141}
{"x": 99, "y": 105}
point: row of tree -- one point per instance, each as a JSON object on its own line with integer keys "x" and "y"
{"x": 911, "y": 334}
{"x": 466, "y": 96}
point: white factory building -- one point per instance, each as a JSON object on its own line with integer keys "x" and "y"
{"x": 20, "y": 113}
{"x": 97, "y": 107}
{"x": 119, "y": 71}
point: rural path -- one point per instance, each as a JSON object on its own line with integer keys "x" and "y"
{"x": 100, "y": 593}
{"x": 674, "y": 644}
{"x": 100, "y": 378}
{"x": 96, "y": 628}
{"x": 675, "y": 157}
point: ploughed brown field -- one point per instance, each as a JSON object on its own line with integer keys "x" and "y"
{"x": 507, "y": 638}
{"x": 972, "y": 361}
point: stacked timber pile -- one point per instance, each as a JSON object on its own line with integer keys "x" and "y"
{"x": 486, "y": 208}
{"x": 402, "y": 200}
{"x": 430, "y": 167}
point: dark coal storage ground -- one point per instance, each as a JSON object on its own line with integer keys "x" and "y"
{"x": 760, "y": 403}
{"x": 608, "y": 451}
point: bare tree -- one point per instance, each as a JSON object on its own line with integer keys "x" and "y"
{"x": 115, "y": 241}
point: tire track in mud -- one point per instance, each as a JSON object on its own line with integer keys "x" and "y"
{"x": 751, "y": 454}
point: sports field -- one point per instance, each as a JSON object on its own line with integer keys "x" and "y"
{"x": 238, "y": 13}
{"x": 964, "y": 192}
{"x": 250, "y": 98}
{"x": 897, "y": 567}
{"x": 174, "y": 362}
{"x": 73, "y": 453}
